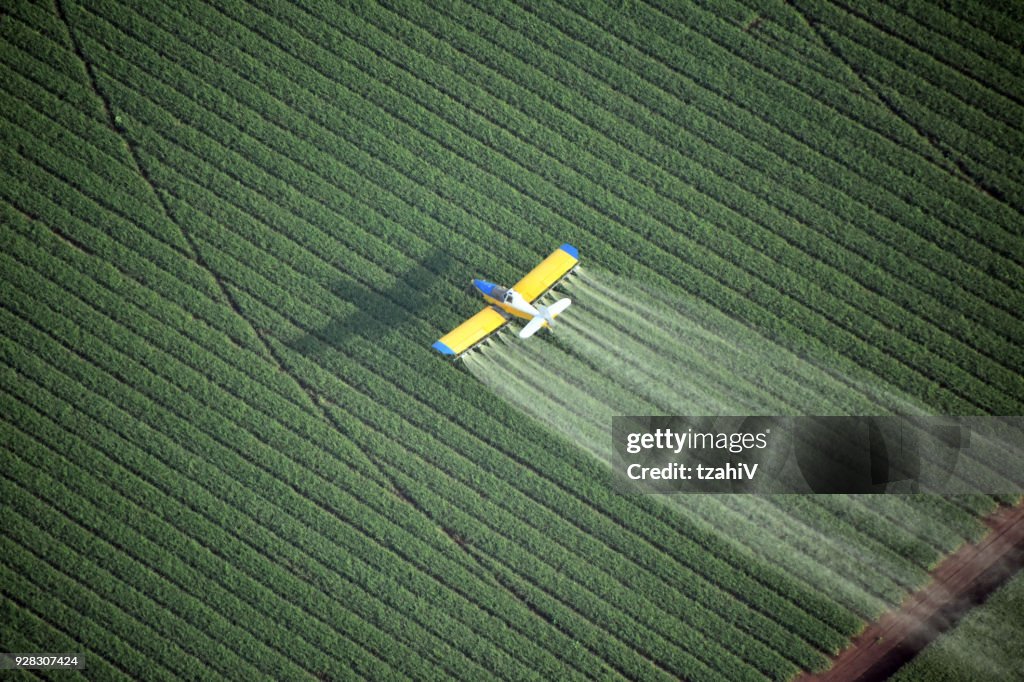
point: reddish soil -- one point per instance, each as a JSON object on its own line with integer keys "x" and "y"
{"x": 963, "y": 579}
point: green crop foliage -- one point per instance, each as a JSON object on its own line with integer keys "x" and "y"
{"x": 230, "y": 232}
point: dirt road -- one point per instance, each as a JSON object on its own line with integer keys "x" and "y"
{"x": 962, "y": 580}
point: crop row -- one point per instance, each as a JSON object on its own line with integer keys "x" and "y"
{"x": 847, "y": 185}
{"x": 229, "y": 372}
{"x": 47, "y": 57}
{"x": 823, "y": 557}
{"x": 833, "y": 551}
{"x": 778, "y": 385}
{"x": 950, "y": 71}
{"x": 118, "y": 241}
{"x": 999, "y": 22}
{"x": 227, "y": 547}
{"x": 193, "y": 556}
{"x": 715, "y": 118}
{"x": 842, "y": 132}
{"x": 23, "y": 630}
{"x": 520, "y": 516}
{"x": 251, "y": 428}
{"x": 29, "y": 70}
{"x": 77, "y": 613}
{"x": 944, "y": 49}
{"x": 43, "y": 554}
{"x": 123, "y": 180}
{"x": 362, "y": 189}
{"x": 814, "y": 49}
{"x": 469, "y": 495}
{"x": 354, "y": 242}
{"x": 218, "y": 503}
{"x": 654, "y": 391}
{"x": 952, "y": 97}
{"x": 771, "y": 248}
{"x": 287, "y": 590}
{"x": 340, "y": 370}
{"x": 976, "y": 156}
{"x": 291, "y": 304}
{"x": 933, "y": 518}
{"x": 922, "y": 553}
{"x": 984, "y": 42}
{"x": 817, "y": 97}
{"x": 294, "y": 308}
{"x": 989, "y": 656}
{"x": 101, "y": 556}
{"x": 119, "y": 275}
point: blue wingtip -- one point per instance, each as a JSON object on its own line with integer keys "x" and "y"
{"x": 571, "y": 250}
{"x": 442, "y": 349}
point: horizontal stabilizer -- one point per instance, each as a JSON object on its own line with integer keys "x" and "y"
{"x": 531, "y": 327}
{"x": 546, "y": 317}
{"x": 559, "y": 306}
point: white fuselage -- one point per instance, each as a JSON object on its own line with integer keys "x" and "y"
{"x": 515, "y": 301}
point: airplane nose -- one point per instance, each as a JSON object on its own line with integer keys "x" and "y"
{"x": 483, "y": 286}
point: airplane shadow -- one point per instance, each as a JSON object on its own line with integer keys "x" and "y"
{"x": 383, "y": 316}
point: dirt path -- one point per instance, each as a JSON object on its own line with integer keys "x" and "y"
{"x": 962, "y": 580}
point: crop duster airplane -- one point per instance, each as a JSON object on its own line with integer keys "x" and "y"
{"x": 515, "y": 301}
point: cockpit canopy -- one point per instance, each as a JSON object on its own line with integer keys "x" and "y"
{"x": 502, "y": 294}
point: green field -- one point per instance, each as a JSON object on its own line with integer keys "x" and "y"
{"x": 231, "y": 232}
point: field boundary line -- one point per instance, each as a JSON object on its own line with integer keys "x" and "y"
{"x": 926, "y": 316}
{"x": 196, "y": 254}
{"x": 112, "y": 122}
{"x": 776, "y": 289}
{"x": 645, "y": 159}
{"x": 797, "y": 90}
{"x": 496, "y": 614}
{"x": 849, "y": 117}
{"x": 546, "y": 479}
{"x": 895, "y": 34}
{"x": 957, "y": 167}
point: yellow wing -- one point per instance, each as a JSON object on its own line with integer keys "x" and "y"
{"x": 550, "y": 270}
{"x": 471, "y": 332}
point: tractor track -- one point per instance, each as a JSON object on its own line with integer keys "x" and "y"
{"x": 964, "y": 579}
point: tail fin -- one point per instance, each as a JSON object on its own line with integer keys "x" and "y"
{"x": 547, "y": 316}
